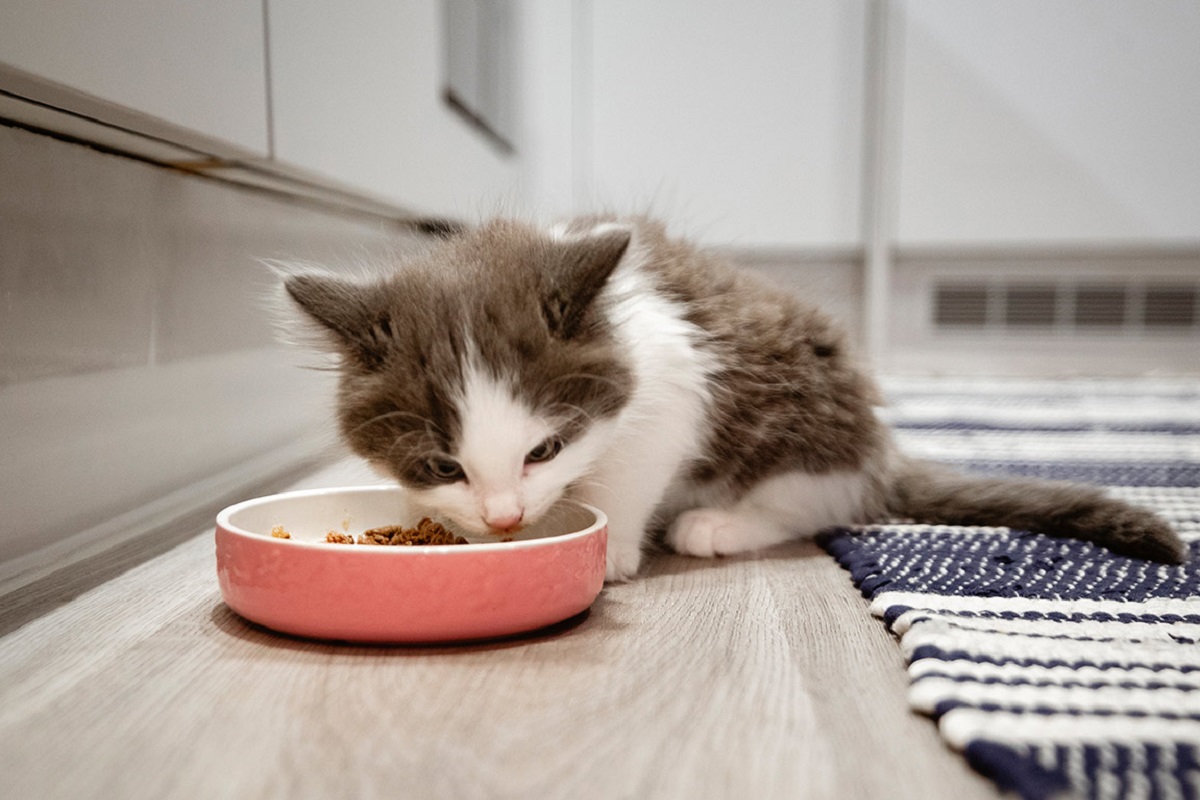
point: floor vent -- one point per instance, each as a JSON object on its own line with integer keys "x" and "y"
{"x": 1081, "y": 308}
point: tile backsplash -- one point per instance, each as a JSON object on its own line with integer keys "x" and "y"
{"x": 136, "y": 353}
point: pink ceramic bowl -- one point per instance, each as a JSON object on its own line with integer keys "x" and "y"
{"x": 363, "y": 593}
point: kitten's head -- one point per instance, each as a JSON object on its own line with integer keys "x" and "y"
{"x": 483, "y": 376}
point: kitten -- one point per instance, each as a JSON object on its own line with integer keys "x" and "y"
{"x": 511, "y": 366}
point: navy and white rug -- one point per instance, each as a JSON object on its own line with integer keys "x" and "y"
{"x": 1054, "y": 666}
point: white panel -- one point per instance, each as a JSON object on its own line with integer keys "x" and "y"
{"x": 744, "y": 118}
{"x": 195, "y": 64}
{"x": 548, "y": 148}
{"x": 1050, "y": 120}
{"x": 357, "y": 96}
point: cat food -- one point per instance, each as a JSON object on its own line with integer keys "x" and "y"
{"x": 426, "y": 532}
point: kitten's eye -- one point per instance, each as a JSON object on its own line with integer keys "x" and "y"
{"x": 445, "y": 469}
{"x": 544, "y": 451}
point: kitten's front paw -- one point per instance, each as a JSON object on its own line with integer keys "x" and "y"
{"x": 622, "y": 562}
{"x": 707, "y": 532}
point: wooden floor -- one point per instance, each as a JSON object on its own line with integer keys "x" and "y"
{"x": 752, "y": 677}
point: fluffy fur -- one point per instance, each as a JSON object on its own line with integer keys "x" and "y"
{"x": 605, "y": 360}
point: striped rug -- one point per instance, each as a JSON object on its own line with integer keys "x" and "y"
{"x": 1057, "y": 668}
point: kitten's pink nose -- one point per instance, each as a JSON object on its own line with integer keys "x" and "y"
{"x": 503, "y": 510}
{"x": 505, "y": 521}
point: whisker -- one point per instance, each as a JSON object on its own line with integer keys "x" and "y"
{"x": 428, "y": 423}
{"x": 396, "y": 442}
{"x": 591, "y": 483}
{"x": 570, "y": 407}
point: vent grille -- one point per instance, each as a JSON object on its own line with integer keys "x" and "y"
{"x": 1030, "y": 306}
{"x": 1170, "y": 308}
{"x": 1071, "y": 308}
{"x": 961, "y": 306}
{"x": 1101, "y": 306}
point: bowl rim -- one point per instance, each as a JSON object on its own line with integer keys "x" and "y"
{"x": 223, "y": 523}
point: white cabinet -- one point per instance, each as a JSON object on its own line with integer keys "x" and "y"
{"x": 357, "y": 96}
{"x": 1049, "y": 121}
{"x": 352, "y": 99}
{"x": 742, "y": 118}
{"x": 196, "y": 65}
{"x": 1017, "y": 121}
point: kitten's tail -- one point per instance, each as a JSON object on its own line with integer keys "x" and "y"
{"x": 933, "y": 494}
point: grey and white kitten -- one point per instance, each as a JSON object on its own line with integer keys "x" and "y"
{"x": 511, "y": 366}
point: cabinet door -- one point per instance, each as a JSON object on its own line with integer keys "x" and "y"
{"x": 357, "y": 96}
{"x": 1049, "y": 120}
{"x": 198, "y": 65}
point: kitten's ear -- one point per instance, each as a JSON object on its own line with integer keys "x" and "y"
{"x": 584, "y": 264}
{"x": 344, "y": 309}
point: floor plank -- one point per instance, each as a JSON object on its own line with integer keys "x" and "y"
{"x": 760, "y": 676}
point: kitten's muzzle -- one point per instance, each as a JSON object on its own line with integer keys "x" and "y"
{"x": 505, "y": 522}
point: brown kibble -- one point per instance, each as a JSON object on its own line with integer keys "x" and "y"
{"x": 427, "y": 532}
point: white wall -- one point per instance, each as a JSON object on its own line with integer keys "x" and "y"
{"x": 741, "y": 118}
{"x": 357, "y": 95}
{"x": 1021, "y": 121}
{"x": 547, "y": 105}
{"x": 1049, "y": 120}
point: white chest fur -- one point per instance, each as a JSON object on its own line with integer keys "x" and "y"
{"x": 663, "y": 427}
